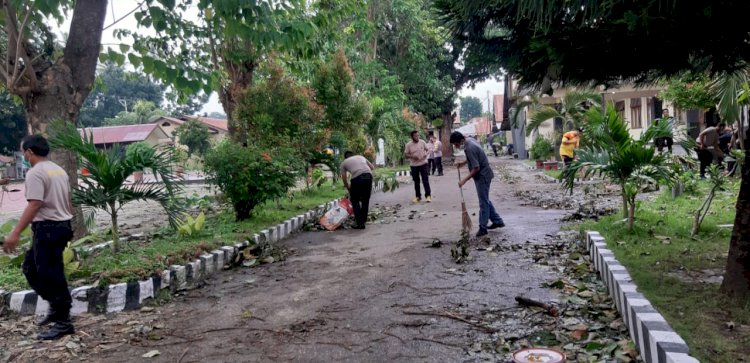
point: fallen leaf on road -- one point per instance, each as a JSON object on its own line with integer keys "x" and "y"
{"x": 578, "y": 334}
{"x": 151, "y": 354}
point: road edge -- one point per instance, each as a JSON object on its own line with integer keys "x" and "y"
{"x": 655, "y": 339}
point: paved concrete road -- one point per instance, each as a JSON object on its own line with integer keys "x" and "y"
{"x": 345, "y": 295}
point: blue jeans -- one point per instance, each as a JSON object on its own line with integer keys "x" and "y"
{"x": 486, "y": 209}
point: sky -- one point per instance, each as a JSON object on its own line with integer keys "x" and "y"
{"x": 120, "y": 8}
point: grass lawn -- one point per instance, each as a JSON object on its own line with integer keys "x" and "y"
{"x": 661, "y": 268}
{"x": 140, "y": 259}
{"x": 553, "y": 173}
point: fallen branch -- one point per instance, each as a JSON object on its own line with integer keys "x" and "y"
{"x": 551, "y": 309}
{"x": 184, "y": 353}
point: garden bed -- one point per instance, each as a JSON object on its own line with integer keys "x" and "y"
{"x": 142, "y": 258}
{"x": 679, "y": 274}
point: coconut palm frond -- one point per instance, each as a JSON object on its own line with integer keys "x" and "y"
{"x": 727, "y": 88}
{"x": 541, "y": 116}
{"x": 656, "y": 130}
{"x": 592, "y": 161}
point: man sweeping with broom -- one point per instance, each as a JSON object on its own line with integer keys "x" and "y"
{"x": 480, "y": 171}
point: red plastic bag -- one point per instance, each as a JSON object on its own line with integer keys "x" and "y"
{"x": 335, "y": 217}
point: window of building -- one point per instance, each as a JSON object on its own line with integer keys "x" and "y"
{"x": 635, "y": 113}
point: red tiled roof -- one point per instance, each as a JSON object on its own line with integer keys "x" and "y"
{"x": 213, "y": 122}
{"x": 120, "y": 134}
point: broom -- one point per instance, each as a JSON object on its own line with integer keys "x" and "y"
{"x": 465, "y": 220}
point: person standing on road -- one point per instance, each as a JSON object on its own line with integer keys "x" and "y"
{"x": 416, "y": 151}
{"x": 49, "y": 212}
{"x": 481, "y": 172}
{"x": 708, "y": 147}
{"x": 667, "y": 141}
{"x": 361, "y": 185}
{"x": 571, "y": 140}
{"x": 437, "y": 152}
{"x": 430, "y": 155}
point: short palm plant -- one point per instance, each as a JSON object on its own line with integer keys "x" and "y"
{"x": 613, "y": 153}
{"x": 105, "y": 188}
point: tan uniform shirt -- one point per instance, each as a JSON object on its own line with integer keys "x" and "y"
{"x": 48, "y": 183}
{"x": 416, "y": 152}
{"x": 355, "y": 165}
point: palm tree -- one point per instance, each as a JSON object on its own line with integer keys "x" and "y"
{"x": 614, "y": 154}
{"x": 731, "y": 91}
{"x": 572, "y": 110}
{"x": 105, "y": 187}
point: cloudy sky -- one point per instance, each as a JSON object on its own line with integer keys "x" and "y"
{"x": 120, "y": 8}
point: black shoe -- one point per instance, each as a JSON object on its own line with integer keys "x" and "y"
{"x": 440, "y": 174}
{"x": 496, "y": 225}
{"x": 482, "y": 232}
{"x": 46, "y": 320}
{"x": 358, "y": 226}
{"x": 57, "y": 331}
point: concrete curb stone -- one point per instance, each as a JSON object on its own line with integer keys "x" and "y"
{"x": 655, "y": 340}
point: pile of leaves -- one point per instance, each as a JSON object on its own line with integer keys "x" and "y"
{"x": 585, "y": 324}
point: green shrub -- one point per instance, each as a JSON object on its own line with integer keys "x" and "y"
{"x": 249, "y": 176}
{"x": 541, "y": 149}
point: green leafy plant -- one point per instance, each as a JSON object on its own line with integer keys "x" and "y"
{"x": 194, "y": 134}
{"x": 249, "y": 176}
{"x": 189, "y": 226}
{"x": 318, "y": 177}
{"x": 541, "y": 149}
{"x": 105, "y": 187}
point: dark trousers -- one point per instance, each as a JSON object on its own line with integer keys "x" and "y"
{"x": 422, "y": 171}
{"x": 706, "y": 157}
{"x": 661, "y": 142}
{"x": 43, "y": 265}
{"x": 359, "y": 195}
{"x": 436, "y": 164}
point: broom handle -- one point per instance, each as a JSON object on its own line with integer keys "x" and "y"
{"x": 460, "y": 188}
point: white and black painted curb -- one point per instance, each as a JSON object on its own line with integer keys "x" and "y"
{"x": 130, "y": 295}
{"x": 656, "y": 341}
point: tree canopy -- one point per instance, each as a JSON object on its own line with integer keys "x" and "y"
{"x": 118, "y": 90}
{"x": 584, "y": 42}
{"x": 470, "y": 107}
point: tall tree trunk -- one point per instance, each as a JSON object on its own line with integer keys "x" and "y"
{"x": 631, "y": 214}
{"x": 445, "y": 134}
{"x": 624, "y": 202}
{"x": 60, "y": 90}
{"x": 737, "y": 275}
{"x": 240, "y": 80}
